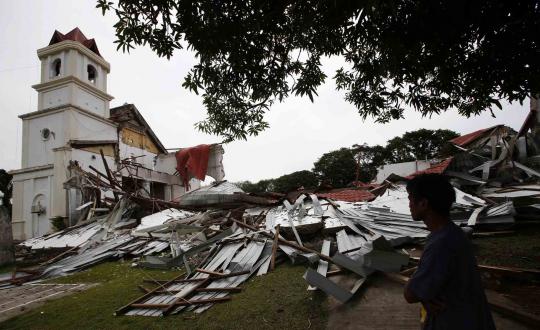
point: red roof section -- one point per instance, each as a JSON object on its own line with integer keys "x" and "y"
{"x": 438, "y": 168}
{"x": 468, "y": 138}
{"x": 360, "y": 184}
{"x": 75, "y": 35}
{"x": 348, "y": 195}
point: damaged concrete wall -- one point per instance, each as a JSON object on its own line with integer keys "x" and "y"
{"x": 401, "y": 169}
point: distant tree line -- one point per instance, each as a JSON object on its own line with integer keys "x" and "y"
{"x": 339, "y": 168}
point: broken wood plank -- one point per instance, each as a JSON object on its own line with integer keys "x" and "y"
{"x": 409, "y": 271}
{"x": 162, "y": 282}
{"x": 143, "y": 289}
{"x": 217, "y": 275}
{"x": 502, "y": 269}
{"x": 109, "y": 174}
{"x": 178, "y": 299}
{"x": 182, "y": 303}
{"x": 125, "y": 308}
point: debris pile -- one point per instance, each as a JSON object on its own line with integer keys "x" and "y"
{"x": 222, "y": 236}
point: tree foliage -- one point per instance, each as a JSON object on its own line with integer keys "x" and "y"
{"x": 420, "y": 144}
{"x": 428, "y": 55}
{"x": 293, "y": 181}
{"x": 369, "y": 158}
{"x": 257, "y": 187}
{"x": 283, "y": 184}
{"x": 416, "y": 145}
{"x": 337, "y": 168}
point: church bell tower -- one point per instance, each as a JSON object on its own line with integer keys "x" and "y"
{"x": 73, "y": 73}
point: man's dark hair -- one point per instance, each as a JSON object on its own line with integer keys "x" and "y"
{"x": 436, "y": 189}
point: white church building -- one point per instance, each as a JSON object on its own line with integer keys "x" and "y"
{"x": 73, "y": 122}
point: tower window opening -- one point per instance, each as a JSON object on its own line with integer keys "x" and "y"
{"x": 56, "y": 66}
{"x": 92, "y": 73}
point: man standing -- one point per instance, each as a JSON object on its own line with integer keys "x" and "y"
{"x": 447, "y": 281}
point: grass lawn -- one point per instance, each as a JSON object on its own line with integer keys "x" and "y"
{"x": 521, "y": 249}
{"x": 276, "y": 300}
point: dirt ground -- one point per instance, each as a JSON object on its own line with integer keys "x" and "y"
{"x": 520, "y": 249}
{"x": 381, "y": 306}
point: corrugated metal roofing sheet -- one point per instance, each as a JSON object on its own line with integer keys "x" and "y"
{"x": 438, "y": 168}
{"x": 463, "y": 140}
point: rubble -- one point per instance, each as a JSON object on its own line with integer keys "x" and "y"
{"x": 222, "y": 236}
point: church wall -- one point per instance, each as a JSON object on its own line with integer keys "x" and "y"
{"x": 84, "y": 127}
{"x": 47, "y": 69}
{"x": 17, "y": 215}
{"x": 54, "y": 98}
{"x": 89, "y": 102}
{"x": 28, "y": 188}
{"x": 35, "y": 150}
{"x": 166, "y": 163}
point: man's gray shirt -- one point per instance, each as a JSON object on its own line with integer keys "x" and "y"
{"x": 447, "y": 273}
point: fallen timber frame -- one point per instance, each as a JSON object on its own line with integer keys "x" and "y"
{"x": 183, "y": 303}
{"x": 200, "y": 286}
{"x": 233, "y": 289}
{"x": 124, "y": 309}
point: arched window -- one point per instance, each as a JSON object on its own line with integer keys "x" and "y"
{"x": 92, "y": 73}
{"x": 55, "y": 67}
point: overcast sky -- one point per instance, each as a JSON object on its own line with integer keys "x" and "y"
{"x": 300, "y": 131}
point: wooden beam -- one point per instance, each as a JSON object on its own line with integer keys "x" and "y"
{"x": 410, "y": 271}
{"x": 209, "y": 272}
{"x": 170, "y": 307}
{"x": 109, "y": 174}
{"x": 502, "y": 269}
{"x": 125, "y": 308}
{"x": 183, "y": 303}
{"x": 143, "y": 289}
{"x": 217, "y": 275}
{"x": 161, "y": 282}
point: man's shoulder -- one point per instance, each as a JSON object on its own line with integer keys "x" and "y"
{"x": 450, "y": 236}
